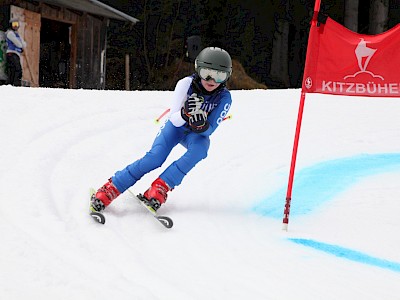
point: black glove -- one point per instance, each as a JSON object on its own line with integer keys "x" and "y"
{"x": 184, "y": 115}
{"x": 198, "y": 122}
{"x": 193, "y": 104}
{"x": 191, "y": 112}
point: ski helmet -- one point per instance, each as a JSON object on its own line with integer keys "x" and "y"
{"x": 214, "y": 58}
{"x": 14, "y": 22}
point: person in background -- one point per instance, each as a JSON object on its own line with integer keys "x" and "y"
{"x": 16, "y": 46}
{"x": 199, "y": 104}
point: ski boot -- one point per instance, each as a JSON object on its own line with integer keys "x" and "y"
{"x": 104, "y": 196}
{"x": 156, "y": 195}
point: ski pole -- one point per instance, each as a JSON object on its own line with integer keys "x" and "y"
{"x": 228, "y": 117}
{"x": 157, "y": 120}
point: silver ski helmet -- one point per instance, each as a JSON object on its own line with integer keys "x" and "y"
{"x": 213, "y": 58}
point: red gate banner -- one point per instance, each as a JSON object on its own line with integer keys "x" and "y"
{"x": 342, "y": 62}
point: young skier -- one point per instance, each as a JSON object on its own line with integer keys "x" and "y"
{"x": 199, "y": 104}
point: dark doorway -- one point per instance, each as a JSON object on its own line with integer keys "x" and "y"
{"x": 55, "y": 54}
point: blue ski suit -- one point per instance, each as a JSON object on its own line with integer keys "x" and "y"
{"x": 176, "y": 131}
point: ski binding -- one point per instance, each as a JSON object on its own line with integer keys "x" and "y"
{"x": 164, "y": 220}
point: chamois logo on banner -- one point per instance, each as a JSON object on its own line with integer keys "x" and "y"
{"x": 364, "y": 55}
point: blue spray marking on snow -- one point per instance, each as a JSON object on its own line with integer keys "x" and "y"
{"x": 322, "y": 182}
{"x": 349, "y": 254}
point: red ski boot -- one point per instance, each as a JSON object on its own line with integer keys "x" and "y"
{"x": 157, "y": 193}
{"x": 104, "y": 195}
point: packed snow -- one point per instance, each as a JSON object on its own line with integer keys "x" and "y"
{"x": 227, "y": 242}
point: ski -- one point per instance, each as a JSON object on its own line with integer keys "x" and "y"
{"x": 164, "y": 220}
{"x": 100, "y": 218}
{"x": 97, "y": 216}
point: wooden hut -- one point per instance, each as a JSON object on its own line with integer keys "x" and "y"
{"x": 66, "y": 40}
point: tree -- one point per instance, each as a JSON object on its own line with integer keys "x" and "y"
{"x": 159, "y": 21}
{"x": 378, "y": 16}
{"x": 351, "y": 14}
{"x": 280, "y": 51}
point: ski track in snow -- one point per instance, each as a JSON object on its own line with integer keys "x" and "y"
{"x": 59, "y": 143}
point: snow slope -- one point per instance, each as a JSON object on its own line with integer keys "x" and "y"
{"x": 343, "y": 240}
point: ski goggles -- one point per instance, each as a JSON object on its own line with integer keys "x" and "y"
{"x": 14, "y": 24}
{"x": 218, "y": 76}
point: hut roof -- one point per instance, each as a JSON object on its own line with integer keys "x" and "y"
{"x": 94, "y": 7}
